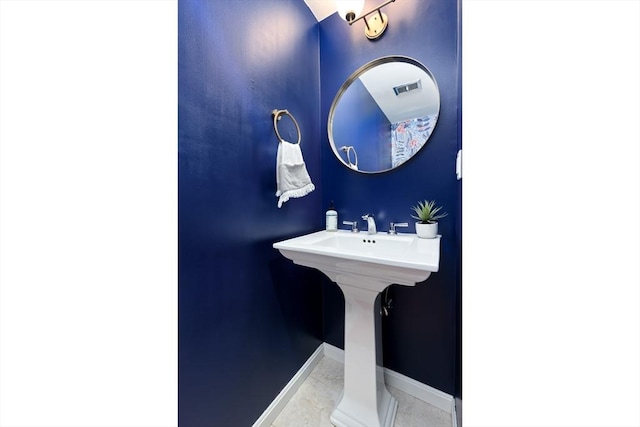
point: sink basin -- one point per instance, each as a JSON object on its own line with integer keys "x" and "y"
{"x": 363, "y": 265}
{"x": 402, "y": 259}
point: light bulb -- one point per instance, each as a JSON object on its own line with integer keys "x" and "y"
{"x": 349, "y": 9}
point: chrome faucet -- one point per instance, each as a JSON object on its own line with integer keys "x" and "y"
{"x": 371, "y": 223}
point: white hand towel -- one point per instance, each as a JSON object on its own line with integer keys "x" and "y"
{"x": 292, "y": 178}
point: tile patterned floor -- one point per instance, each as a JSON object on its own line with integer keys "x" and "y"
{"x": 315, "y": 399}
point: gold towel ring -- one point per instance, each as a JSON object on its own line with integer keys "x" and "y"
{"x": 277, "y": 114}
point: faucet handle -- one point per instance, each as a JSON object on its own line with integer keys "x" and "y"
{"x": 393, "y": 225}
{"x": 353, "y": 224}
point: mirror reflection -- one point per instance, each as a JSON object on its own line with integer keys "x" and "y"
{"x": 383, "y": 114}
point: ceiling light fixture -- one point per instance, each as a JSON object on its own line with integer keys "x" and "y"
{"x": 349, "y": 9}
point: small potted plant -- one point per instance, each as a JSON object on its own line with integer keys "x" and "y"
{"x": 427, "y": 214}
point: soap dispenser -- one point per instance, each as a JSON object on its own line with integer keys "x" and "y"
{"x": 332, "y": 218}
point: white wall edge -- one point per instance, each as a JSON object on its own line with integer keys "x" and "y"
{"x": 428, "y": 394}
{"x": 271, "y": 413}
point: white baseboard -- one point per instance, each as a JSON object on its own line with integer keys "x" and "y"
{"x": 421, "y": 391}
{"x": 432, "y": 396}
{"x": 454, "y": 416}
{"x": 271, "y": 413}
{"x": 333, "y": 352}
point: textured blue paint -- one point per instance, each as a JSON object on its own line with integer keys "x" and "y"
{"x": 421, "y": 337}
{"x": 248, "y": 318}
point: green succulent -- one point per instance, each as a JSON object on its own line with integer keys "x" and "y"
{"x": 427, "y": 212}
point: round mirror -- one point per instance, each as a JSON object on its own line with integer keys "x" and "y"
{"x": 383, "y": 114}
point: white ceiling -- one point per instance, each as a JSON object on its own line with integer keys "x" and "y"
{"x": 321, "y": 8}
{"x": 380, "y": 81}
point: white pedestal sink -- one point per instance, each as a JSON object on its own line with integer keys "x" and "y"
{"x": 363, "y": 265}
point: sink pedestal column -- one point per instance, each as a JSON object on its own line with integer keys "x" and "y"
{"x": 365, "y": 401}
{"x": 363, "y": 266}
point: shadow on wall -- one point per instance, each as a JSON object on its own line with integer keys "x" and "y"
{"x": 297, "y": 288}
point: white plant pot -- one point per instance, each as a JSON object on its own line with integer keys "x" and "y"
{"x": 427, "y": 231}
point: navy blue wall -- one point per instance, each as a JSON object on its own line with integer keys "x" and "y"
{"x": 420, "y": 337}
{"x": 248, "y": 317}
